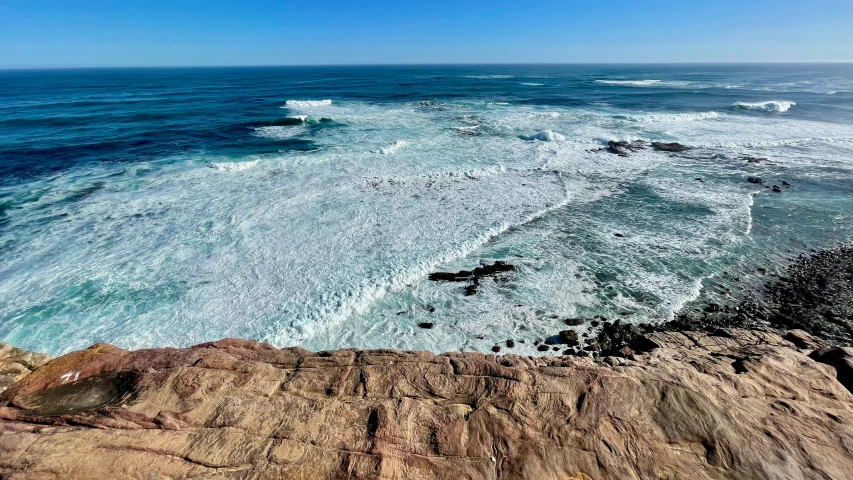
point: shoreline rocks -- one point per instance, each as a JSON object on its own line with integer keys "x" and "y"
{"x": 736, "y": 404}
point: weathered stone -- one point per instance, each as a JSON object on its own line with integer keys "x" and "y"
{"x": 741, "y": 404}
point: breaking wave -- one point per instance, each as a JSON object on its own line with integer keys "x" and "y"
{"x": 234, "y": 166}
{"x": 546, "y": 136}
{"x": 768, "y": 106}
{"x": 668, "y": 117}
{"x": 392, "y": 148}
{"x": 631, "y": 83}
{"x": 307, "y": 103}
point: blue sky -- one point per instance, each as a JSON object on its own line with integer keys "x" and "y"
{"x": 82, "y": 33}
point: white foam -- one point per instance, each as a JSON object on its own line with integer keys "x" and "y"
{"x": 668, "y": 117}
{"x": 390, "y": 149}
{"x": 546, "y": 136}
{"x": 531, "y": 84}
{"x": 281, "y": 132}
{"x": 234, "y": 166}
{"x": 768, "y": 106}
{"x": 294, "y": 250}
{"x": 306, "y": 103}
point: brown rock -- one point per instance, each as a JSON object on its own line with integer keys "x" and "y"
{"x": 740, "y": 405}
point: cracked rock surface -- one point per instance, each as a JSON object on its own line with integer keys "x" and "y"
{"x": 737, "y": 404}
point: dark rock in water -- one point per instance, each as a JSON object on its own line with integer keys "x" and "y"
{"x": 595, "y": 323}
{"x": 569, "y": 337}
{"x": 556, "y": 349}
{"x": 430, "y": 308}
{"x": 537, "y": 342}
{"x": 591, "y": 347}
{"x": 756, "y": 180}
{"x": 496, "y": 348}
{"x": 548, "y": 341}
{"x": 669, "y": 147}
{"x": 776, "y": 188}
{"x": 510, "y": 343}
{"x": 426, "y": 325}
{"x": 461, "y": 276}
{"x": 494, "y": 269}
{"x": 619, "y": 235}
{"x": 624, "y": 148}
{"x": 786, "y": 184}
{"x": 699, "y": 179}
{"x": 750, "y": 159}
{"x": 543, "y": 348}
{"x": 574, "y": 322}
{"x": 569, "y": 351}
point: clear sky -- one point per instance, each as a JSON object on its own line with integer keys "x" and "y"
{"x": 82, "y": 33}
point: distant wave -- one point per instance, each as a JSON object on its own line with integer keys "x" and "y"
{"x": 489, "y": 76}
{"x": 631, "y": 83}
{"x": 831, "y": 93}
{"x": 234, "y": 166}
{"x": 546, "y": 136}
{"x": 307, "y": 103}
{"x": 668, "y": 117}
{"x": 531, "y": 84}
{"x": 666, "y": 83}
{"x": 768, "y": 106}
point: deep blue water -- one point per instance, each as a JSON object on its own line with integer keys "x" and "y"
{"x": 307, "y": 205}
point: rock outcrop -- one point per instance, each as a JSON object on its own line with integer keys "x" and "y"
{"x": 737, "y": 404}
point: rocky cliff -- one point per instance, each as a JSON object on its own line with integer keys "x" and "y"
{"x": 734, "y": 404}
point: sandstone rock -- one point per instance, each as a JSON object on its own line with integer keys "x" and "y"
{"x": 741, "y": 404}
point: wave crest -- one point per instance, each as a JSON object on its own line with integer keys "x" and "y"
{"x": 631, "y": 83}
{"x": 307, "y": 103}
{"x": 546, "y": 136}
{"x": 234, "y": 166}
{"x": 768, "y": 106}
{"x": 390, "y": 149}
{"x": 668, "y": 117}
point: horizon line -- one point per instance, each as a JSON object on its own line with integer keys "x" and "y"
{"x": 452, "y": 64}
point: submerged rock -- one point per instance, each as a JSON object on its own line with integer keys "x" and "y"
{"x": 670, "y": 147}
{"x": 496, "y": 270}
{"x": 623, "y": 148}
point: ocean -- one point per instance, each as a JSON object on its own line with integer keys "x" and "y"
{"x": 308, "y": 205}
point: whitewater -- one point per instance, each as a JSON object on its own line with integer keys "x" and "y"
{"x": 308, "y": 206}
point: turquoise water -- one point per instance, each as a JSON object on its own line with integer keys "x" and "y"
{"x": 306, "y": 206}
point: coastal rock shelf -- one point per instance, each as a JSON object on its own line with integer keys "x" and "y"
{"x": 736, "y": 404}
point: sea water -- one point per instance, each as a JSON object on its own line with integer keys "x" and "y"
{"x": 307, "y": 206}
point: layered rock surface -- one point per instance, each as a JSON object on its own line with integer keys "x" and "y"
{"x": 736, "y": 404}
